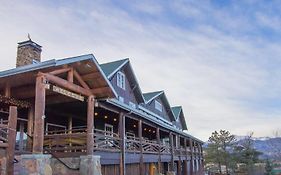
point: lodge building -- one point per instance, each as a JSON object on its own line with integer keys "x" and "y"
{"x": 76, "y": 116}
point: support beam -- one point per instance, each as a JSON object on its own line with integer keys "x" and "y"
{"x": 66, "y": 84}
{"x": 30, "y": 122}
{"x": 90, "y": 125}
{"x": 60, "y": 71}
{"x": 70, "y": 75}
{"x": 121, "y": 129}
{"x": 191, "y": 157}
{"x": 159, "y": 151}
{"x": 179, "y": 167}
{"x": 12, "y": 125}
{"x": 172, "y": 151}
{"x": 141, "y": 149}
{"x": 70, "y": 124}
{"x": 39, "y": 117}
{"x": 80, "y": 80}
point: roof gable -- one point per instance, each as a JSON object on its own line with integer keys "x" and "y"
{"x": 150, "y": 96}
{"x": 111, "y": 68}
{"x": 179, "y": 116}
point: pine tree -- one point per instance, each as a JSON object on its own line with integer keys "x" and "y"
{"x": 268, "y": 168}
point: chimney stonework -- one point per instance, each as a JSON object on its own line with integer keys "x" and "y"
{"x": 28, "y": 53}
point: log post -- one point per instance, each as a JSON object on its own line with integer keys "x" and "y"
{"x": 141, "y": 148}
{"x": 30, "y": 123}
{"x": 159, "y": 149}
{"x": 172, "y": 151}
{"x": 185, "y": 172}
{"x": 121, "y": 129}
{"x": 90, "y": 125}
{"x": 191, "y": 157}
{"x": 39, "y": 117}
{"x": 12, "y": 125}
{"x": 7, "y": 90}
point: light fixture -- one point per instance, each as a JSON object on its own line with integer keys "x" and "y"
{"x": 105, "y": 116}
{"x": 153, "y": 131}
{"x": 96, "y": 113}
{"x": 145, "y": 129}
{"x": 115, "y": 119}
{"x": 149, "y": 130}
{"x": 135, "y": 126}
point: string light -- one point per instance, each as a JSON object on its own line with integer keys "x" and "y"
{"x": 105, "y": 116}
{"x": 145, "y": 129}
{"x": 135, "y": 126}
{"x": 115, "y": 119}
{"x": 12, "y": 101}
{"x": 96, "y": 113}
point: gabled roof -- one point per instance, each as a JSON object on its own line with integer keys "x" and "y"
{"x": 111, "y": 68}
{"x": 151, "y": 95}
{"x": 88, "y": 63}
{"x": 179, "y": 115}
{"x": 161, "y": 94}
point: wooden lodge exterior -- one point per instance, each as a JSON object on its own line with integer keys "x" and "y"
{"x": 75, "y": 107}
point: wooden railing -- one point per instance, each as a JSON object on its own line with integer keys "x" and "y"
{"x": 68, "y": 141}
{"x": 106, "y": 141}
{"x": 4, "y": 134}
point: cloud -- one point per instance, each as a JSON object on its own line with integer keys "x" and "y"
{"x": 201, "y": 55}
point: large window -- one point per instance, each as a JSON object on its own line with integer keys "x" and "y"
{"x": 121, "y": 80}
{"x": 158, "y": 106}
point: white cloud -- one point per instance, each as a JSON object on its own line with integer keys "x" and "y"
{"x": 203, "y": 68}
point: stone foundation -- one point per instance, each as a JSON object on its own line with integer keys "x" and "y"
{"x": 35, "y": 164}
{"x": 90, "y": 165}
{"x": 60, "y": 169}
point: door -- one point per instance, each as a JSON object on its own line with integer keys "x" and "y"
{"x": 108, "y": 134}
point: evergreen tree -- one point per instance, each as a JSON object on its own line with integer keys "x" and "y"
{"x": 218, "y": 149}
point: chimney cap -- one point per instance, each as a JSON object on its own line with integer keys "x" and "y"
{"x": 30, "y": 43}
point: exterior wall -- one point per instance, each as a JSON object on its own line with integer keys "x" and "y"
{"x": 127, "y": 94}
{"x": 178, "y": 123}
{"x": 151, "y": 107}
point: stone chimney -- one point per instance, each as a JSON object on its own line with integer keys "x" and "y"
{"x": 28, "y": 52}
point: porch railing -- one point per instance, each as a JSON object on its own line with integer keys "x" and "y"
{"x": 3, "y": 134}
{"x": 69, "y": 141}
{"x": 106, "y": 141}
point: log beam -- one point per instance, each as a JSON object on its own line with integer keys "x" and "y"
{"x": 39, "y": 117}
{"x": 66, "y": 84}
{"x": 12, "y": 125}
{"x": 90, "y": 76}
{"x": 80, "y": 80}
{"x": 30, "y": 123}
{"x": 90, "y": 125}
{"x": 60, "y": 71}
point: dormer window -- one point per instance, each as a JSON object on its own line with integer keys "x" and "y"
{"x": 158, "y": 106}
{"x": 121, "y": 80}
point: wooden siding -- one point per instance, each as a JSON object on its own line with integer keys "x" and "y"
{"x": 151, "y": 107}
{"x": 127, "y": 94}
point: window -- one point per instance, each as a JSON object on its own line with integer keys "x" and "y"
{"x": 133, "y": 105}
{"x": 121, "y": 80}
{"x": 121, "y": 99}
{"x": 158, "y": 106}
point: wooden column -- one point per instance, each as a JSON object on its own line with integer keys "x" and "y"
{"x": 39, "y": 117}
{"x": 70, "y": 125}
{"x": 185, "y": 171}
{"x": 172, "y": 151}
{"x": 121, "y": 129}
{"x": 30, "y": 122}
{"x": 141, "y": 149}
{"x": 191, "y": 157}
{"x": 90, "y": 125}
{"x": 12, "y": 125}
{"x": 159, "y": 150}
{"x": 178, "y": 167}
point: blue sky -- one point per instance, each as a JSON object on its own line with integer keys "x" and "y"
{"x": 219, "y": 59}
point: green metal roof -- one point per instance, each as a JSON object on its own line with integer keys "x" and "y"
{"x": 151, "y": 95}
{"x": 176, "y": 111}
{"x": 109, "y": 68}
